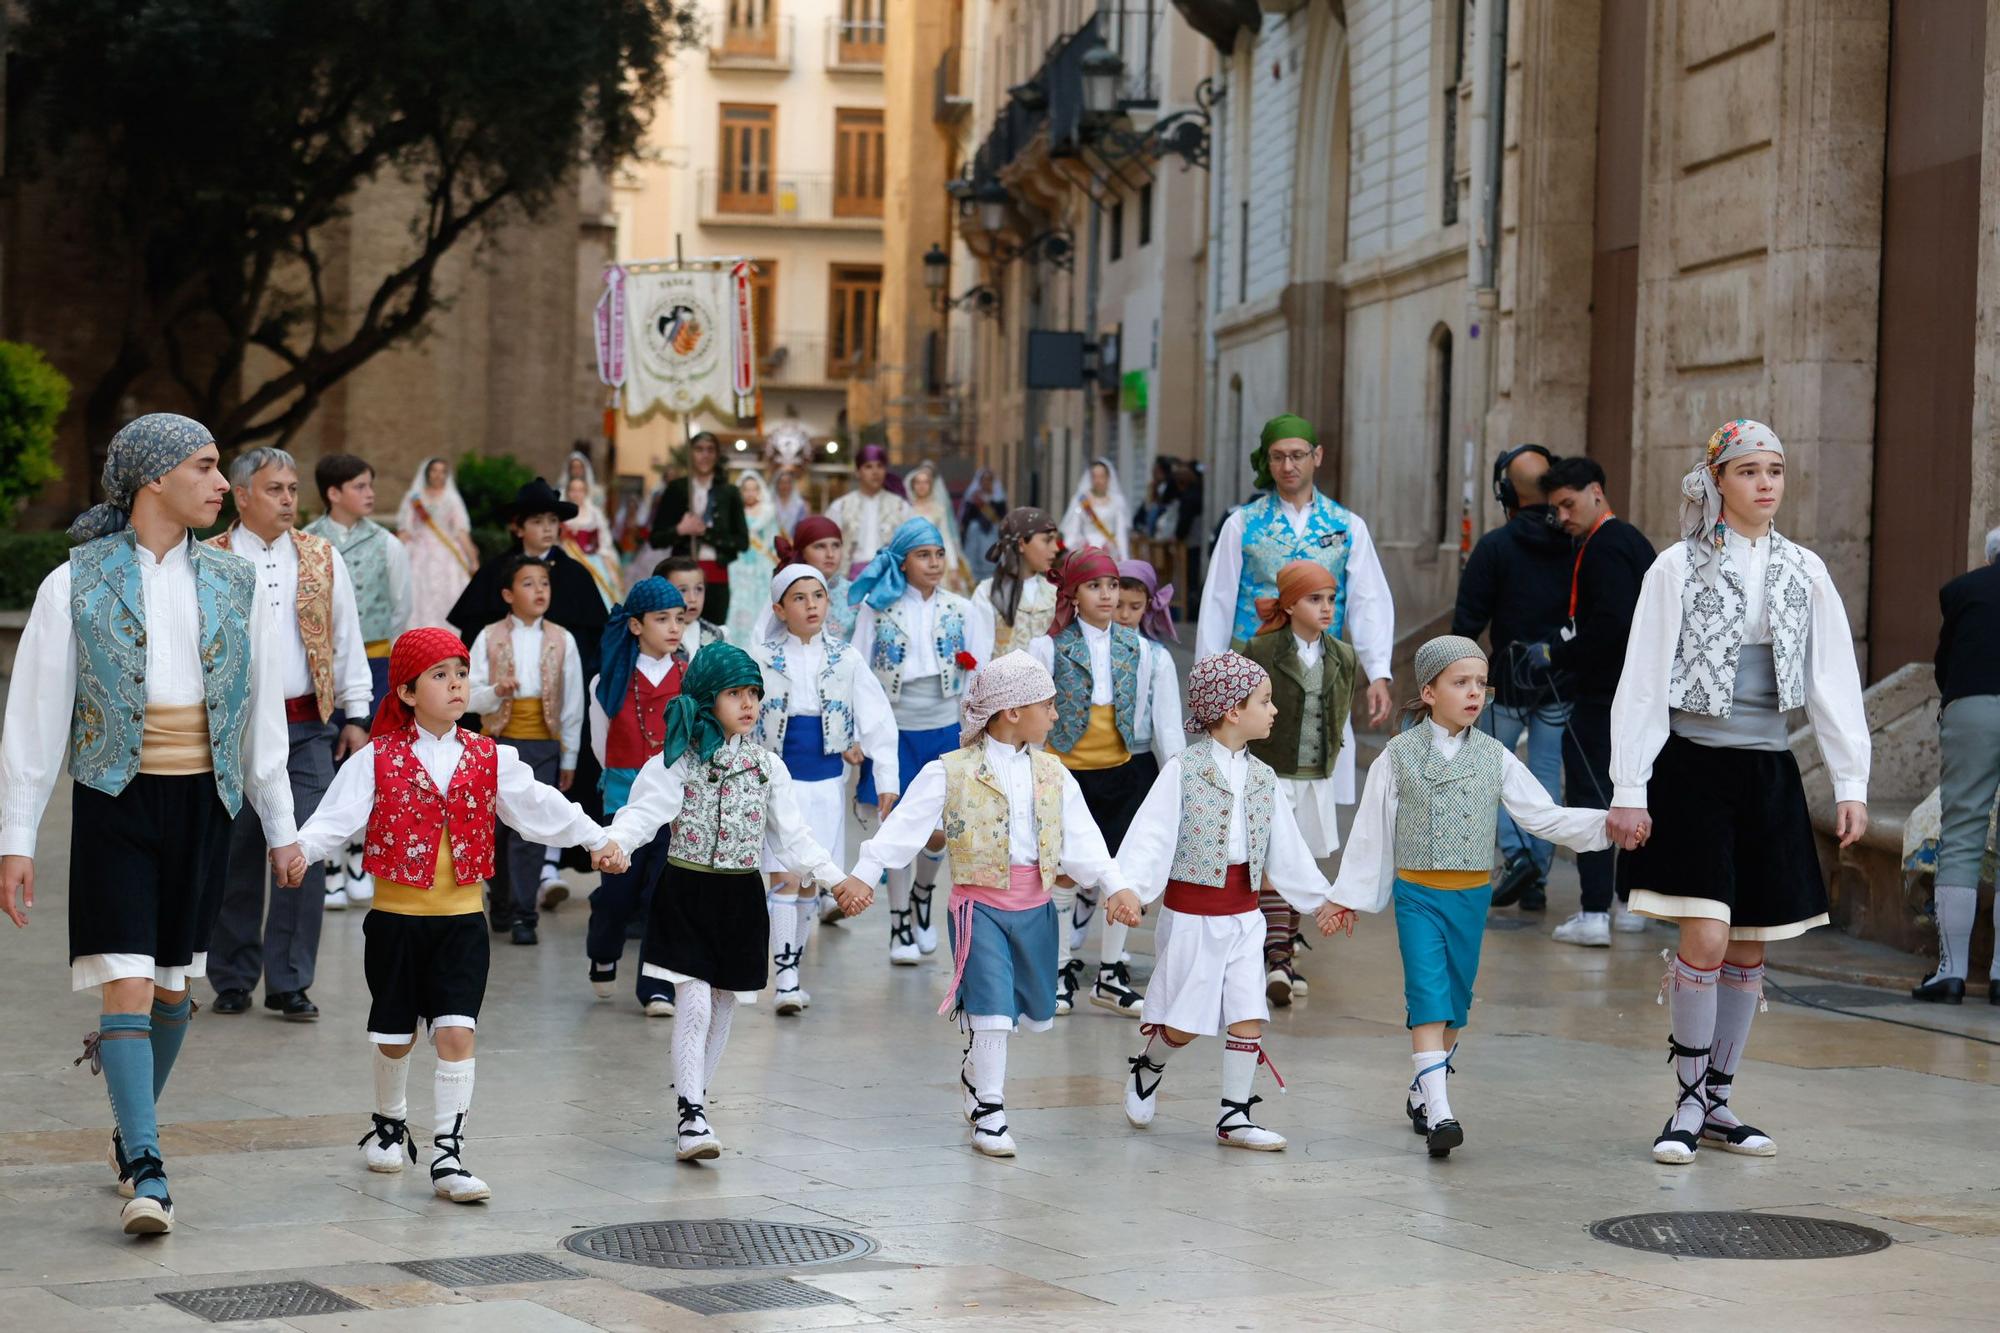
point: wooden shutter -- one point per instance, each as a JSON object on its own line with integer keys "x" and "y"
{"x": 743, "y": 184}
{"x": 863, "y": 31}
{"x": 859, "y": 161}
{"x": 856, "y": 299}
{"x": 750, "y": 28}
{"x": 764, "y": 309}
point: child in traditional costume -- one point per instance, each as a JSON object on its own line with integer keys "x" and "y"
{"x": 816, "y": 541}
{"x": 1103, "y": 706}
{"x": 1312, "y": 680}
{"x": 920, "y": 641}
{"x": 527, "y": 688}
{"x": 640, "y": 673}
{"x": 1016, "y": 820}
{"x": 724, "y": 796}
{"x": 685, "y": 573}
{"x": 429, "y": 793}
{"x": 822, "y": 709}
{"x": 1211, "y": 830}
{"x": 1016, "y": 601}
{"x": 1422, "y": 837}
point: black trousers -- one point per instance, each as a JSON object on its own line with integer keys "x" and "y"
{"x": 1587, "y": 783}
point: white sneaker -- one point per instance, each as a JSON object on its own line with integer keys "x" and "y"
{"x": 790, "y": 1001}
{"x": 1592, "y": 930}
{"x": 146, "y": 1217}
{"x": 336, "y": 900}
{"x": 387, "y": 1144}
{"x": 659, "y": 1007}
{"x": 1142, "y": 1098}
{"x": 695, "y": 1141}
{"x": 1626, "y": 921}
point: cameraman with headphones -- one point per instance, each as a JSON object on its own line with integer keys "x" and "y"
{"x": 1516, "y": 583}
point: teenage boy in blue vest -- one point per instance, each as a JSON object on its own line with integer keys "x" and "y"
{"x": 148, "y": 666}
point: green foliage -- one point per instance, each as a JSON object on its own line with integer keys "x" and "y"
{"x": 488, "y": 485}
{"x": 25, "y": 560}
{"x": 33, "y": 394}
{"x": 492, "y": 542}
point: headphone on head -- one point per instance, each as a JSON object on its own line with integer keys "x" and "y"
{"x": 1503, "y": 485}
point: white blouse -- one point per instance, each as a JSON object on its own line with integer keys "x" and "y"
{"x": 656, "y": 799}
{"x": 278, "y": 586}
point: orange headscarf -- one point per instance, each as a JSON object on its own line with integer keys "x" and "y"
{"x": 1295, "y": 581}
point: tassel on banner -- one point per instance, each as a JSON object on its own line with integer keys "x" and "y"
{"x": 743, "y": 369}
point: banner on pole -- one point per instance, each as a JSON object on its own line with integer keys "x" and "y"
{"x": 690, "y": 339}
{"x": 611, "y": 328}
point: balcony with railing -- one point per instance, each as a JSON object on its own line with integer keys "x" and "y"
{"x": 745, "y": 38}
{"x": 949, "y": 105}
{"x": 1131, "y": 28}
{"x": 805, "y": 361}
{"x": 762, "y": 198}
{"x": 856, "y": 46}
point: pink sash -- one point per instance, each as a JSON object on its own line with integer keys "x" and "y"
{"x": 1024, "y": 890}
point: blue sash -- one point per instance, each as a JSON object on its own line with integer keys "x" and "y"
{"x": 805, "y": 740}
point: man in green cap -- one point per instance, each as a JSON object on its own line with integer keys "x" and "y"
{"x": 1293, "y": 521}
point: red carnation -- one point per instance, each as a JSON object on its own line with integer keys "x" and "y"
{"x": 965, "y": 660}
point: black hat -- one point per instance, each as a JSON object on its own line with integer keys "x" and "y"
{"x": 538, "y": 497}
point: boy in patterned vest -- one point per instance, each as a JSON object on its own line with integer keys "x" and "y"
{"x": 1015, "y": 820}
{"x": 709, "y": 931}
{"x": 527, "y": 688}
{"x": 1211, "y": 833}
{"x": 379, "y": 566}
{"x": 427, "y": 793}
{"x": 1423, "y": 838}
{"x": 1312, "y": 681}
{"x": 821, "y": 711}
{"x": 1103, "y": 706}
{"x": 921, "y": 641}
{"x": 685, "y": 573}
{"x": 639, "y": 675}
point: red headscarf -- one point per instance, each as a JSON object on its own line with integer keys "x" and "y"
{"x": 812, "y": 528}
{"x": 1295, "y": 581}
{"x": 416, "y": 652}
{"x": 1090, "y": 562}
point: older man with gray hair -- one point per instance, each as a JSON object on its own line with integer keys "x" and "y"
{"x": 1968, "y": 678}
{"x": 305, "y": 586}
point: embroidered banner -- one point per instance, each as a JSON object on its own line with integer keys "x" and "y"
{"x": 611, "y": 328}
{"x": 690, "y": 339}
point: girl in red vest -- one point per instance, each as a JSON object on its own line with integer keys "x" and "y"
{"x": 428, "y": 793}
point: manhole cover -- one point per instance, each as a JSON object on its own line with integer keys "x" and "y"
{"x": 1838, "y": 997}
{"x": 488, "y": 1270}
{"x": 718, "y": 1242}
{"x": 264, "y": 1300}
{"x": 736, "y": 1297}
{"x": 1739, "y": 1235}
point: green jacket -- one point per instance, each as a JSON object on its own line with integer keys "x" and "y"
{"x": 1278, "y": 654}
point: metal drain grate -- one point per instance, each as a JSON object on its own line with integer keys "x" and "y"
{"x": 736, "y": 1297}
{"x": 487, "y": 1270}
{"x": 1740, "y": 1235}
{"x": 264, "y": 1300}
{"x": 1840, "y": 997}
{"x": 718, "y": 1242}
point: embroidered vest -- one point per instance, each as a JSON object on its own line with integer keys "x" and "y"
{"x": 840, "y": 614}
{"x": 315, "y": 607}
{"x": 1312, "y": 713}
{"x": 410, "y": 814}
{"x": 1446, "y": 811}
{"x": 1032, "y": 614}
{"x": 107, "y": 606}
{"x": 500, "y": 664}
{"x": 366, "y": 551}
{"x": 634, "y": 733}
{"x": 1074, "y": 682}
{"x": 1269, "y": 544}
{"x": 721, "y": 823}
{"x": 1201, "y": 853}
{"x": 836, "y": 696}
{"x": 975, "y": 818}
{"x": 1713, "y": 620}
{"x": 892, "y": 644}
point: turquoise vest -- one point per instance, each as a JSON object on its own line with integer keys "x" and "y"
{"x": 1073, "y": 685}
{"x": 1446, "y": 811}
{"x": 1269, "y": 544}
{"x": 366, "y": 551}
{"x": 107, "y": 606}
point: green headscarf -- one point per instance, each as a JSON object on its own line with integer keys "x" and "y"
{"x": 690, "y": 718}
{"x": 1286, "y": 427}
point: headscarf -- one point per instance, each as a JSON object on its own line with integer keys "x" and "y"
{"x": 1158, "y": 622}
{"x": 591, "y": 487}
{"x": 765, "y": 508}
{"x": 414, "y": 652}
{"x": 1011, "y": 680}
{"x": 1112, "y": 508}
{"x": 1441, "y": 652}
{"x": 144, "y": 450}
{"x": 1016, "y": 528}
{"x": 1295, "y": 581}
{"x": 1285, "y": 427}
{"x": 1217, "y": 684}
{"x": 770, "y": 629}
{"x": 1701, "y": 498}
{"x": 618, "y": 650}
{"x": 875, "y": 453}
{"x": 453, "y": 502}
{"x": 1080, "y": 568}
{"x": 689, "y": 723}
{"x": 812, "y": 528}
{"x": 882, "y": 582}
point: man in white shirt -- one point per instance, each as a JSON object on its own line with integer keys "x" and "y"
{"x": 869, "y": 514}
{"x": 303, "y": 582}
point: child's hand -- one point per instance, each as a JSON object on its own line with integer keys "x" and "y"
{"x": 853, "y": 896}
{"x": 853, "y": 755}
{"x": 504, "y": 686}
{"x": 884, "y": 803}
{"x": 611, "y": 859}
{"x": 565, "y": 779}
{"x": 1332, "y": 917}
{"x": 1123, "y": 907}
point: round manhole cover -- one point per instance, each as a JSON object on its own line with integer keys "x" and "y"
{"x": 1739, "y": 1235}
{"x": 719, "y": 1242}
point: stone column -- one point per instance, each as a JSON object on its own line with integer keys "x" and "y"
{"x": 1984, "y": 501}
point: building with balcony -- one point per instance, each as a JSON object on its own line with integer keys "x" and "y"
{"x": 771, "y": 147}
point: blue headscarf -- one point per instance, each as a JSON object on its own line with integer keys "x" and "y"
{"x": 144, "y": 450}
{"x": 882, "y": 582}
{"x": 618, "y": 652}
{"x": 689, "y": 722}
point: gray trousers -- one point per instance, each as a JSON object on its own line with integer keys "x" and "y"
{"x": 281, "y": 941}
{"x": 517, "y": 863}
{"x": 1969, "y": 754}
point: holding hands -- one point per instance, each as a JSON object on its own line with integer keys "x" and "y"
{"x": 611, "y": 859}
{"x": 853, "y": 896}
{"x": 1122, "y": 908}
{"x": 288, "y": 866}
{"x": 1333, "y": 917}
{"x": 1627, "y": 826}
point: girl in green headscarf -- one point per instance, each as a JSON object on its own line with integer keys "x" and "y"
{"x": 724, "y": 795}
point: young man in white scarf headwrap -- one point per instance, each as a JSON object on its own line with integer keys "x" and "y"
{"x": 1015, "y": 820}
{"x": 1736, "y": 631}
{"x": 822, "y": 709}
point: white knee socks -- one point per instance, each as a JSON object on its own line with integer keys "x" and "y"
{"x": 693, "y": 1004}
{"x": 1239, "y": 1066}
{"x": 805, "y": 910}
{"x": 986, "y": 1064}
{"x": 1691, "y": 1002}
{"x": 1432, "y": 1074}
{"x": 1064, "y": 897}
{"x": 1115, "y": 934}
{"x": 452, "y": 1096}
{"x": 784, "y": 926}
{"x": 1956, "y": 908}
{"x": 392, "y": 1082}
{"x": 718, "y": 1036}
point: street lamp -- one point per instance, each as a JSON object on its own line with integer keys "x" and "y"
{"x": 992, "y": 198}
{"x": 1184, "y": 134}
{"x": 937, "y": 269}
{"x": 1102, "y": 71}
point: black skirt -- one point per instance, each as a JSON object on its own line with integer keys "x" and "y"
{"x": 712, "y": 925}
{"x": 147, "y": 867}
{"x": 1114, "y": 795}
{"x": 422, "y": 968}
{"x": 1730, "y": 828}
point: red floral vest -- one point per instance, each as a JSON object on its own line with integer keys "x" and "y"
{"x": 636, "y": 730}
{"x": 410, "y": 814}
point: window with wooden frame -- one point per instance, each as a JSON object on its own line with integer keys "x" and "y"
{"x": 750, "y": 28}
{"x": 862, "y": 31}
{"x": 860, "y": 155}
{"x": 764, "y": 309}
{"x": 749, "y": 136}
{"x": 855, "y": 300}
